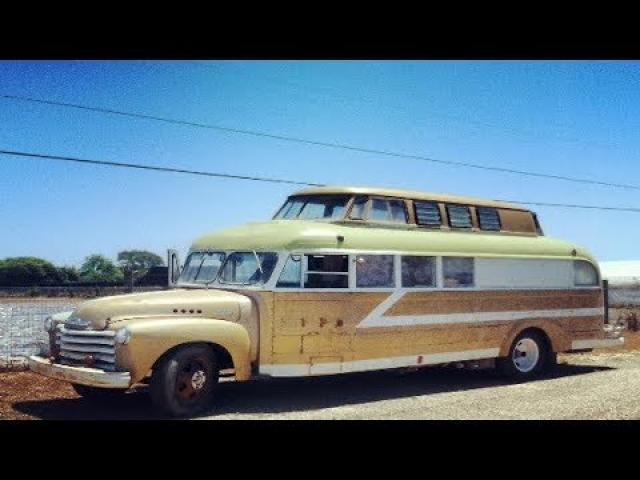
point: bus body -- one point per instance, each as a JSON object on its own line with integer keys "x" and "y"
{"x": 343, "y": 279}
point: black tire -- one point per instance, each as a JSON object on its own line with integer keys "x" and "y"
{"x": 529, "y": 356}
{"x": 98, "y": 393}
{"x": 184, "y": 381}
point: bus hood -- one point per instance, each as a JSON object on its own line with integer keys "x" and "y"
{"x": 98, "y": 314}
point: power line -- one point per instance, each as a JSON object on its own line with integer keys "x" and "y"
{"x": 319, "y": 143}
{"x": 153, "y": 167}
{"x": 109, "y": 163}
{"x": 569, "y": 205}
{"x": 327, "y": 92}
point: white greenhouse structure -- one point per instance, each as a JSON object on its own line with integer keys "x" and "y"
{"x": 624, "y": 282}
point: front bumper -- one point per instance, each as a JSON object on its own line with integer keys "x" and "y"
{"x": 82, "y": 375}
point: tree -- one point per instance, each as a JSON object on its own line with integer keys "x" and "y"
{"x": 98, "y": 268}
{"x": 135, "y": 263}
{"x": 68, "y": 274}
{"x": 28, "y": 272}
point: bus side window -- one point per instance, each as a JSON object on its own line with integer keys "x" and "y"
{"x": 488, "y": 218}
{"x": 379, "y": 210}
{"x": 418, "y": 271}
{"x": 357, "y": 210}
{"x": 427, "y": 213}
{"x": 585, "y": 275}
{"x": 327, "y": 271}
{"x": 459, "y": 216}
{"x": 290, "y": 276}
{"x": 457, "y": 272}
{"x": 387, "y": 210}
{"x": 374, "y": 271}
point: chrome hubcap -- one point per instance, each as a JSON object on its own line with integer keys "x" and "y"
{"x": 526, "y": 355}
{"x": 198, "y": 379}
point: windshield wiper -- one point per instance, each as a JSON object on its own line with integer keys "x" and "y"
{"x": 259, "y": 268}
{"x": 195, "y": 277}
{"x": 215, "y": 277}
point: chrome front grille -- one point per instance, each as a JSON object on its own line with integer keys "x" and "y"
{"x": 75, "y": 346}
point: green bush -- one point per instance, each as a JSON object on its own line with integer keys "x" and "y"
{"x": 28, "y": 272}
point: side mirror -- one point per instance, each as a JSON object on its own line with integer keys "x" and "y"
{"x": 173, "y": 270}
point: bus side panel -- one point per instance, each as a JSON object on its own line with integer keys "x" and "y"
{"x": 414, "y": 327}
{"x": 315, "y": 325}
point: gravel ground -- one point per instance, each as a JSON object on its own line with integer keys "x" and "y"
{"x": 603, "y": 386}
{"x": 585, "y": 386}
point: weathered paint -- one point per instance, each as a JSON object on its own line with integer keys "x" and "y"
{"x": 81, "y": 375}
{"x": 159, "y": 321}
{"x": 219, "y": 304}
{"x": 151, "y": 338}
{"x": 277, "y": 235}
{"x": 317, "y": 325}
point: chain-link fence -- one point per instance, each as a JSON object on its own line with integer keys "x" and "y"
{"x": 21, "y": 330}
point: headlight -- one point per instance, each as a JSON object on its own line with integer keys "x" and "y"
{"x": 49, "y": 324}
{"x": 122, "y": 336}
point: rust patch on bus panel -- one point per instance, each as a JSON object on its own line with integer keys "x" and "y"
{"x": 287, "y": 344}
{"x": 328, "y": 312}
{"x": 326, "y": 344}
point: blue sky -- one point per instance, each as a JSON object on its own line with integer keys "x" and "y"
{"x": 566, "y": 118}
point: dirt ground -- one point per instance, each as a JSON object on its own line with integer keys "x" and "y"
{"x": 600, "y": 384}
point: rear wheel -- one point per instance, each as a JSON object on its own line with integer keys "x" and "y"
{"x": 528, "y": 357}
{"x": 183, "y": 382}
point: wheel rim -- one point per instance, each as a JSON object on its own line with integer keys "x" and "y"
{"x": 526, "y": 355}
{"x": 191, "y": 381}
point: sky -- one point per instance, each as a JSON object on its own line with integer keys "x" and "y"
{"x": 571, "y": 118}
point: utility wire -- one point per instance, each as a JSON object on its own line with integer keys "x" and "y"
{"x": 286, "y": 138}
{"x": 152, "y": 167}
{"x": 569, "y": 205}
{"x": 108, "y": 163}
{"x": 328, "y": 93}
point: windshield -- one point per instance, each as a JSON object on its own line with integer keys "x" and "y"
{"x": 202, "y": 267}
{"x": 313, "y": 208}
{"x": 248, "y": 268}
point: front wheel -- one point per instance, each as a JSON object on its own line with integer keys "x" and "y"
{"x": 183, "y": 382}
{"x": 528, "y": 357}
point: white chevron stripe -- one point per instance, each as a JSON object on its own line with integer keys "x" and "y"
{"x": 377, "y": 318}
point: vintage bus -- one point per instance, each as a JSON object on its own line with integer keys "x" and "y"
{"x": 342, "y": 279}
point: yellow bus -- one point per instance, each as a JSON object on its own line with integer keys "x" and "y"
{"x": 342, "y": 279}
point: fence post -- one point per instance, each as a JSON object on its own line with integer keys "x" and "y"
{"x": 605, "y": 291}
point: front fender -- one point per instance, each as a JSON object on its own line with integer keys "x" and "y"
{"x": 151, "y": 338}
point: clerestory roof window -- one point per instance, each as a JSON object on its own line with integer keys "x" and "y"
{"x": 317, "y": 207}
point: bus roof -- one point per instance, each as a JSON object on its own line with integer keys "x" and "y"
{"x": 291, "y": 235}
{"x": 408, "y": 194}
